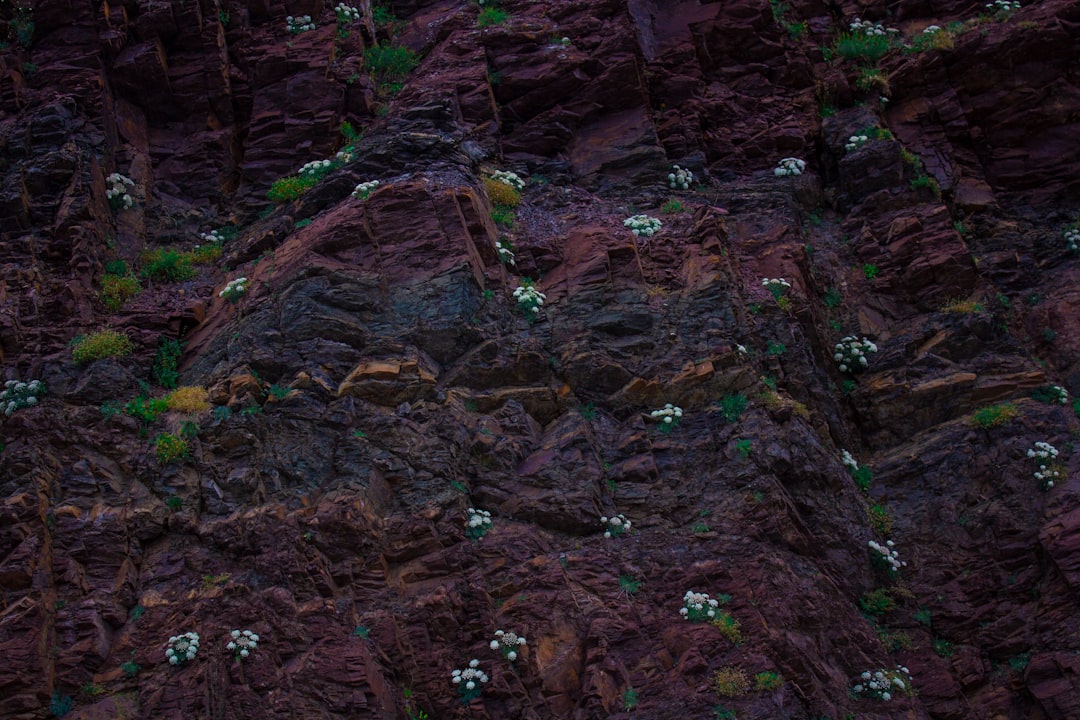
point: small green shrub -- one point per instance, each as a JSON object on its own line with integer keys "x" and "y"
{"x": 922, "y": 180}
{"x": 291, "y": 187}
{"x": 743, "y": 447}
{"x": 855, "y": 46}
{"x": 390, "y": 65}
{"x": 993, "y": 415}
{"x": 174, "y": 503}
{"x": 118, "y": 289}
{"x": 870, "y": 271}
{"x": 100, "y": 344}
{"x": 768, "y": 681}
{"x": 944, "y": 648}
{"x": 728, "y": 626}
{"x": 145, "y": 409}
{"x": 877, "y": 602}
{"x": 630, "y": 699}
{"x": 169, "y": 447}
{"x": 129, "y": 668}
{"x": 167, "y": 265}
{"x": 163, "y": 371}
{"x": 833, "y": 298}
{"x": 880, "y": 519}
{"x": 60, "y": 705}
{"x": 491, "y": 16}
{"x": 730, "y": 681}
{"x": 732, "y": 406}
{"x": 922, "y": 616}
{"x": 671, "y": 207}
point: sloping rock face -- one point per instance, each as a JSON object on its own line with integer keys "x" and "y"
{"x": 378, "y": 380}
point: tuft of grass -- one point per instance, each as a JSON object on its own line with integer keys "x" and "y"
{"x": 291, "y": 187}
{"x": 922, "y": 180}
{"x": 118, "y": 289}
{"x": 880, "y": 519}
{"x": 188, "y": 400}
{"x": 732, "y": 406}
{"x": 962, "y": 306}
{"x": 167, "y": 265}
{"x": 860, "y": 46}
{"x": 768, "y": 681}
{"x": 993, "y": 415}
{"x": 944, "y": 648}
{"x": 671, "y": 207}
{"x": 390, "y": 65}
{"x": 100, "y": 344}
{"x": 730, "y": 681}
{"x": 502, "y": 194}
{"x": 729, "y": 627}
{"x": 877, "y": 602}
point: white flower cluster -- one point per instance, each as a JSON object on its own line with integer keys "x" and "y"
{"x": 1059, "y": 394}
{"x": 776, "y": 286}
{"x": 346, "y": 14}
{"x": 851, "y": 353}
{"x": 1045, "y": 454}
{"x": 669, "y": 416}
{"x": 508, "y": 178}
{"x": 1003, "y": 7}
{"x": 469, "y": 680}
{"x": 680, "y": 178}
{"x": 507, "y": 643}
{"x": 182, "y": 648}
{"x": 643, "y": 225}
{"x": 317, "y": 168}
{"x": 866, "y": 27}
{"x": 18, "y": 395}
{"x": 855, "y": 142}
{"x": 243, "y": 643}
{"x": 364, "y": 189}
{"x": 615, "y": 526}
{"x": 1072, "y": 239}
{"x": 506, "y": 254}
{"x": 698, "y": 606}
{"x": 529, "y": 299}
{"x": 478, "y": 523}
{"x": 117, "y": 194}
{"x": 344, "y": 155}
{"x": 849, "y": 461}
{"x": 212, "y": 237}
{"x": 789, "y": 166}
{"x": 931, "y": 30}
{"x": 884, "y": 684}
{"x": 299, "y": 24}
{"x": 234, "y": 289}
{"x": 885, "y": 557}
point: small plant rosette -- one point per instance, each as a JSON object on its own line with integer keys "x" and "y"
{"x": 507, "y": 643}
{"x": 470, "y": 681}
{"x": 182, "y": 648}
{"x": 1045, "y": 456}
{"x": 789, "y": 167}
{"x": 777, "y": 287}
{"x": 477, "y": 523}
{"x": 615, "y": 525}
{"x": 117, "y": 193}
{"x": 850, "y": 353}
{"x": 698, "y": 607}
{"x": 668, "y": 416}
{"x": 507, "y": 177}
{"x": 680, "y": 178}
{"x": 18, "y": 395}
{"x": 885, "y": 557}
{"x": 363, "y": 190}
{"x": 883, "y": 684}
{"x": 643, "y": 225}
{"x": 234, "y": 290}
{"x": 243, "y": 643}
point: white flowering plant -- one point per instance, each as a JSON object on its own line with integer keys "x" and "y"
{"x": 346, "y": 15}
{"x": 855, "y": 142}
{"x": 529, "y": 299}
{"x": 1072, "y": 238}
{"x": 776, "y": 286}
{"x": 317, "y": 169}
{"x": 883, "y": 684}
{"x": 477, "y": 523}
{"x": 1051, "y": 395}
{"x": 18, "y": 395}
{"x": 643, "y": 225}
{"x": 862, "y": 475}
{"x": 885, "y": 558}
{"x": 508, "y": 178}
{"x": 117, "y": 192}
{"x": 680, "y": 178}
{"x": 868, "y": 27}
{"x": 505, "y": 251}
{"x": 234, "y": 290}
{"x": 299, "y": 24}
{"x": 182, "y": 648}
{"x": 1045, "y": 456}
{"x": 698, "y": 607}
{"x": 469, "y": 681}
{"x": 214, "y": 236}
{"x": 243, "y": 643}
{"x": 507, "y": 643}
{"x": 850, "y": 353}
{"x": 615, "y": 525}
{"x": 363, "y": 190}
{"x": 668, "y": 417}
{"x": 1002, "y": 9}
{"x": 789, "y": 167}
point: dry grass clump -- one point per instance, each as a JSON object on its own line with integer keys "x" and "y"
{"x": 188, "y": 400}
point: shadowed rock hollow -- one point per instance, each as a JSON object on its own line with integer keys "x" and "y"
{"x": 377, "y": 378}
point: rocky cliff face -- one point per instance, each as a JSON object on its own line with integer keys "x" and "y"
{"x": 377, "y": 379}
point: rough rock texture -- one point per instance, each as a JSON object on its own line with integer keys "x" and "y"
{"x": 377, "y": 379}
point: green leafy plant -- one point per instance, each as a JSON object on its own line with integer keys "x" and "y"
{"x": 362, "y": 632}
{"x": 290, "y": 188}
{"x": 732, "y": 406}
{"x": 628, "y": 584}
{"x": 728, "y": 626}
{"x": 630, "y": 699}
{"x": 880, "y": 519}
{"x": 145, "y": 409}
{"x": 861, "y": 46}
{"x": 163, "y": 371}
{"x": 118, "y": 289}
{"x": 922, "y": 180}
{"x": 174, "y": 503}
{"x": 743, "y": 447}
{"x": 60, "y": 705}
{"x": 491, "y": 16}
{"x": 870, "y": 271}
{"x": 671, "y": 207}
{"x": 167, "y": 265}
{"x": 730, "y": 681}
{"x": 390, "y": 65}
{"x": 768, "y": 681}
{"x": 877, "y": 602}
{"x": 944, "y": 648}
{"x": 922, "y": 616}
{"x": 100, "y": 344}
{"x": 775, "y": 348}
{"x": 169, "y": 448}
{"x": 833, "y": 298}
